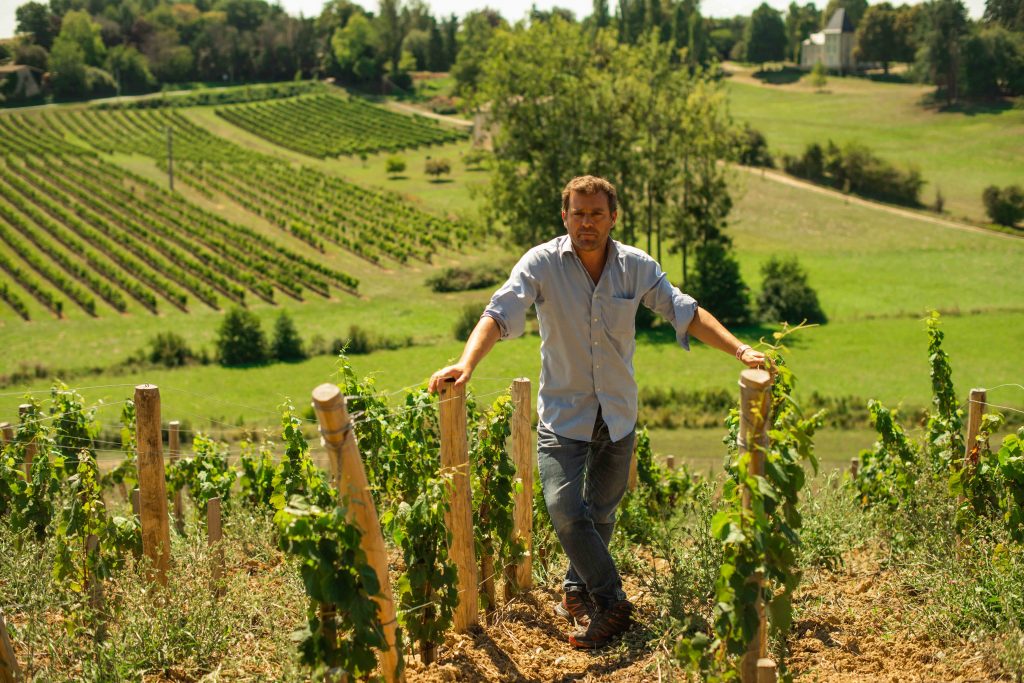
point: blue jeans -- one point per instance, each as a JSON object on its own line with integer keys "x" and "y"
{"x": 583, "y": 482}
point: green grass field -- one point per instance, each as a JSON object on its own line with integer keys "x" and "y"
{"x": 959, "y": 152}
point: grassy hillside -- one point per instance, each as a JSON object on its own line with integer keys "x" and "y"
{"x": 959, "y": 152}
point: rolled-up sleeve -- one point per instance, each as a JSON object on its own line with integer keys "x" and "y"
{"x": 670, "y": 303}
{"x": 509, "y": 304}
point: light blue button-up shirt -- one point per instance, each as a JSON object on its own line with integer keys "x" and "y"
{"x": 587, "y": 331}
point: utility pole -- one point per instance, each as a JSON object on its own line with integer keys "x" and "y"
{"x": 170, "y": 158}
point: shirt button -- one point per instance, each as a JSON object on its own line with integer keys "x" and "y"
{"x": 595, "y": 343}
{"x": 595, "y": 320}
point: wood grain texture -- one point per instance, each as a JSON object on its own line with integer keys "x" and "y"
{"x": 156, "y": 533}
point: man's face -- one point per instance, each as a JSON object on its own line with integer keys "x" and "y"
{"x": 588, "y": 221}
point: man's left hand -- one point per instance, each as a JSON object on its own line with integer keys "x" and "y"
{"x": 753, "y": 358}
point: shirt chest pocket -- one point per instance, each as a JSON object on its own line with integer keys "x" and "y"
{"x": 620, "y": 315}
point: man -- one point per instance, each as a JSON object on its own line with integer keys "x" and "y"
{"x": 587, "y": 287}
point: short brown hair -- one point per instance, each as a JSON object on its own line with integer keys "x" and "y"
{"x": 590, "y": 184}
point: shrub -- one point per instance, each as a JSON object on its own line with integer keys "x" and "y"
{"x": 467, "y": 320}
{"x": 1004, "y": 206}
{"x": 170, "y": 350}
{"x": 785, "y": 294}
{"x": 753, "y": 148}
{"x": 438, "y": 167}
{"x": 818, "y": 78}
{"x": 718, "y": 286}
{"x": 240, "y": 339}
{"x": 855, "y": 168}
{"x": 395, "y": 165}
{"x": 464, "y": 279}
{"x": 360, "y": 341}
{"x": 475, "y": 158}
{"x": 286, "y": 345}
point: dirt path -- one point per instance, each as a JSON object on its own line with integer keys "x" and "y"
{"x": 779, "y": 177}
{"x": 410, "y": 109}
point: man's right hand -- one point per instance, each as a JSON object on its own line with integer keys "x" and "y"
{"x": 460, "y": 372}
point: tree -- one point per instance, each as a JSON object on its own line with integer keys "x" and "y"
{"x": 395, "y": 165}
{"x": 32, "y": 55}
{"x": 390, "y": 33}
{"x": 939, "y": 55}
{"x": 240, "y": 339}
{"x": 786, "y": 296}
{"x": 35, "y": 18}
{"x": 1004, "y": 206}
{"x": 993, "y": 63}
{"x": 718, "y": 286}
{"x": 474, "y": 39}
{"x": 1007, "y": 13}
{"x": 876, "y": 38}
{"x": 78, "y": 28}
{"x": 437, "y": 168}
{"x": 286, "y": 344}
{"x": 355, "y": 49}
{"x": 801, "y": 21}
{"x": 855, "y": 9}
{"x": 819, "y": 79}
{"x": 67, "y": 69}
{"x": 130, "y": 69}
{"x": 765, "y": 36}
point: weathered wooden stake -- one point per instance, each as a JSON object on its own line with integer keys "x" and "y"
{"x": 174, "y": 448}
{"x": 6, "y": 433}
{"x": 214, "y": 536}
{"x": 340, "y": 441}
{"x": 766, "y": 671}
{"x": 519, "y": 577}
{"x": 455, "y": 459}
{"x": 156, "y": 532}
{"x": 30, "y": 447}
{"x": 755, "y": 405}
{"x": 10, "y": 672}
{"x": 976, "y": 408}
{"x": 670, "y": 462}
{"x": 854, "y": 467}
{"x": 136, "y": 503}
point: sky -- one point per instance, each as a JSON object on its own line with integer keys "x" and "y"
{"x": 510, "y": 9}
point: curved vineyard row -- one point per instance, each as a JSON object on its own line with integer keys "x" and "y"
{"x": 329, "y": 126}
{"x": 116, "y": 233}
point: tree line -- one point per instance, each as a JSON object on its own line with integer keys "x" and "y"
{"x": 940, "y": 43}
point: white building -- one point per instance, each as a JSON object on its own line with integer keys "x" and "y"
{"x": 833, "y": 46}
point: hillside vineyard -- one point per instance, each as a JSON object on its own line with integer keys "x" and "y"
{"x": 84, "y": 232}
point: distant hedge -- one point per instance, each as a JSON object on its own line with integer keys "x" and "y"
{"x": 465, "y": 279}
{"x": 854, "y": 168}
{"x": 217, "y": 96}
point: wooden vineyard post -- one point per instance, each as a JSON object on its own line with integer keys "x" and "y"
{"x": 670, "y": 462}
{"x": 10, "y": 672}
{"x": 976, "y": 408}
{"x": 455, "y": 459}
{"x": 632, "y": 469}
{"x": 755, "y": 405}
{"x": 214, "y": 536}
{"x": 30, "y": 447}
{"x": 136, "y": 503}
{"x": 519, "y": 577}
{"x": 6, "y": 433}
{"x": 156, "y": 532}
{"x": 174, "y": 449}
{"x": 766, "y": 671}
{"x": 854, "y": 467}
{"x": 343, "y": 451}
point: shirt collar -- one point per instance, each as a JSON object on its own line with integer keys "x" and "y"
{"x": 565, "y": 247}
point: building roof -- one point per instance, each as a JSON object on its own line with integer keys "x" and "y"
{"x": 840, "y": 21}
{"x": 815, "y": 39}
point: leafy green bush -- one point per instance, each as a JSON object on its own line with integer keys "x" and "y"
{"x": 752, "y": 147}
{"x": 463, "y": 279}
{"x": 395, "y": 165}
{"x": 437, "y": 168}
{"x": 786, "y": 295}
{"x": 286, "y": 345}
{"x": 361, "y": 341}
{"x": 1004, "y": 206}
{"x": 240, "y": 339}
{"x": 467, "y": 320}
{"x": 170, "y": 350}
{"x": 854, "y": 168}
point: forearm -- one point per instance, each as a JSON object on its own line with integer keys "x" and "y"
{"x": 707, "y": 329}
{"x": 483, "y": 338}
